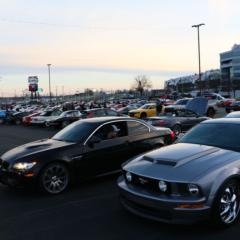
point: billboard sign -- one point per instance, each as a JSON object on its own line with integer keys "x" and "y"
{"x": 33, "y": 79}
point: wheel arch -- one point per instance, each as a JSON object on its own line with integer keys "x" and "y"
{"x": 220, "y": 180}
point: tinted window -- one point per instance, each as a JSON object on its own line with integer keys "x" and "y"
{"x": 45, "y": 114}
{"x": 136, "y": 128}
{"x": 111, "y": 113}
{"x": 215, "y": 134}
{"x": 112, "y": 130}
{"x": 76, "y": 132}
{"x": 99, "y": 113}
{"x": 56, "y": 113}
{"x": 182, "y": 102}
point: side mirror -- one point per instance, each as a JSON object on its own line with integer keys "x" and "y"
{"x": 94, "y": 140}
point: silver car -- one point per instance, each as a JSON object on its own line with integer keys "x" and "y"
{"x": 196, "y": 179}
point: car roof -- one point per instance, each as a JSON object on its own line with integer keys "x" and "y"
{"x": 224, "y": 120}
{"x": 100, "y": 120}
{"x": 97, "y": 109}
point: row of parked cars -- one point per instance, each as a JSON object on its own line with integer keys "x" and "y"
{"x": 195, "y": 179}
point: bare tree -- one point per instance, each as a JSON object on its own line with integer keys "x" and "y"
{"x": 141, "y": 82}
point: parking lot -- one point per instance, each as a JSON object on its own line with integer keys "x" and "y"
{"x": 90, "y": 210}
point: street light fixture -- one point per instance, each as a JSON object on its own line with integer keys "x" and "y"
{"x": 49, "y": 80}
{"x": 199, "y": 54}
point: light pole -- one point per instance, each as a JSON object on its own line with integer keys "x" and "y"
{"x": 49, "y": 80}
{"x": 199, "y": 55}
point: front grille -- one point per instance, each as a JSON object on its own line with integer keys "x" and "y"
{"x": 148, "y": 184}
{"x": 131, "y": 114}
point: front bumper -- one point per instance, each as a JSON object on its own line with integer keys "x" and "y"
{"x": 16, "y": 179}
{"x": 165, "y": 210}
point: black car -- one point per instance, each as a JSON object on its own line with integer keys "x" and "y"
{"x": 64, "y": 119}
{"x": 16, "y": 117}
{"x": 179, "y": 120}
{"x": 84, "y": 149}
{"x": 100, "y": 112}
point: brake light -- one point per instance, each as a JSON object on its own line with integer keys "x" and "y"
{"x": 161, "y": 123}
{"x": 172, "y": 136}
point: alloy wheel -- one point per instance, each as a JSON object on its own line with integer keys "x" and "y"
{"x": 55, "y": 178}
{"x": 229, "y": 204}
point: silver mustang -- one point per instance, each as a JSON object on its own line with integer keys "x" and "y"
{"x": 196, "y": 179}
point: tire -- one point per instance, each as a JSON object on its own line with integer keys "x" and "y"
{"x": 143, "y": 115}
{"x": 54, "y": 178}
{"x": 18, "y": 122}
{"x": 211, "y": 112}
{"x": 46, "y": 124}
{"x": 64, "y": 124}
{"x": 226, "y": 206}
{"x": 1, "y": 121}
{"x": 177, "y": 129}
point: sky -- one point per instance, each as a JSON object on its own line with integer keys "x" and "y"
{"x": 106, "y": 44}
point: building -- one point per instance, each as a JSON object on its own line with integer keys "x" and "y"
{"x": 210, "y": 81}
{"x": 230, "y": 69}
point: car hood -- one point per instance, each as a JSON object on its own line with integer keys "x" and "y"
{"x": 33, "y": 148}
{"x": 180, "y": 162}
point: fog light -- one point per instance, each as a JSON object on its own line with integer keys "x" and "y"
{"x": 162, "y": 186}
{"x": 193, "y": 189}
{"x": 129, "y": 176}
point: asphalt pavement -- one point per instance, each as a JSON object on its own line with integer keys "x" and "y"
{"x": 89, "y": 210}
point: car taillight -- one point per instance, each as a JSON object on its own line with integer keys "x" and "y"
{"x": 172, "y": 136}
{"x": 161, "y": 123}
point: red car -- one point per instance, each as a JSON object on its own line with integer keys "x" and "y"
{"x": 27, "y": 120}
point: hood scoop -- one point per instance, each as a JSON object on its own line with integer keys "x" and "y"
{"x": 38, "y": 146}
{"x": 167, "y": 162}
{"x": 180, "y": 161}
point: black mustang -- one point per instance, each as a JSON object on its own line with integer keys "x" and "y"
{"x": 84, "y": 149}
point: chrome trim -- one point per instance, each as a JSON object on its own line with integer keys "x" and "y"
{"x": 114, "y": 121}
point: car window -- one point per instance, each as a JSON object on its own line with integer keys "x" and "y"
{"x": 76, "y": 114}
{"x": 55, "y": 113}
{"x": 222, "y": 135}
{"x": 112, "y": 131}
{"x": 99, "y": 113}
{"x": 111, "y": 113}
{"x": 136, "y": 128}
{"x": 69, "y": 114}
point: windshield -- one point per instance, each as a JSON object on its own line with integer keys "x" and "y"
{"x": 45, "y": 114}
{"x": 182, "y": 102}
{"x": 76, "y": 132}
{"x": 220, "y": 135}
{"x": 146, "y": 106}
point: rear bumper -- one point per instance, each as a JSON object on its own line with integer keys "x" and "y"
{"x": 144, "y": 205}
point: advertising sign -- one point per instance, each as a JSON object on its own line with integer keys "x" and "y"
{"x": 33, "y": 79}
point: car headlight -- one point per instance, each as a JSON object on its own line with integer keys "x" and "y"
{"x": 193, "y": 189}
{"x": 162, "y": 186}
{"x": 128, "y": 176}
{"x": 23, "y": 166}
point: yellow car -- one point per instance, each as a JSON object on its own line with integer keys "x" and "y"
{"x": 147, "y": 110}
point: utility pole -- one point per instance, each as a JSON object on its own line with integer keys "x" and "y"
{"x": 49, "y": 82}
{"x": 199, "y": 55}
